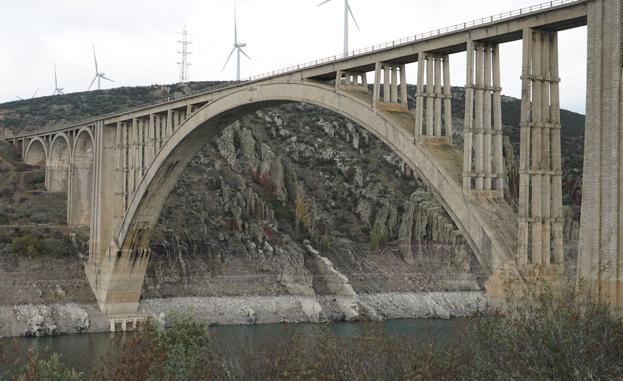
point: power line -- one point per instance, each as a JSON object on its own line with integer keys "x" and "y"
{"x": 184, "y": 64}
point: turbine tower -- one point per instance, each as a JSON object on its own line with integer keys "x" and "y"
{"x": 184, "y": 64}
{"x": 237, "y": 47}
{"x": 98, "y": 76}
{"x": 57, "y": 90}
{"x": 347, "y": 11}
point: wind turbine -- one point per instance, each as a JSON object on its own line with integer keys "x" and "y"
{"x": 33, "y": 95}
{"x": 57, "y": 90}
{"x": 99, "y": 76}
{"x": 237, "y": 47}
{"x": 347, "y": 10}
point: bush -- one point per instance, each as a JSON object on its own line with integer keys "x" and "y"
{"x": 549, "y": 336}
{"x": 29, "y": 244}
{"x": 179, "y": 353}
{"x": 35, "y": 368}
{"x": 36, "y": 244}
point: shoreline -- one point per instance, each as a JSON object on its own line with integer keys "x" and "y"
{"x": 72, "y": 318}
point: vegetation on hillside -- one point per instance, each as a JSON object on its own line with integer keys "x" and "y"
{"x": 32, "y": 114}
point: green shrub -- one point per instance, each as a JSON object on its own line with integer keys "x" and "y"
{"x": 35, "y": 368}
{"x": 37, "y": 244}
{"x": 7, "y": 151}
{"x": 29, "y": 244}
{"x": 182, "y": 352}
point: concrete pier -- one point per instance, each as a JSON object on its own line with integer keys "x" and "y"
{"x": 540, "y": 213}
{"x": 601, "y": 233}
{"x": 483, "y": 172}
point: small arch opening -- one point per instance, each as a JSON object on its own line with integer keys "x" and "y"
{"x": 35, "y": 154}
{"x": 57, "y": 168}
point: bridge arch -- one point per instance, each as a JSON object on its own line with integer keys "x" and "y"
{"x": 36, "y": 153}
{"x": 80, "y": 198}
{"x": 488, "y": 226}
{"x": 57, "y": 165}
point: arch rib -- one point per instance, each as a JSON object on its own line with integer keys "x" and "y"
{"x": 488, "y": 227}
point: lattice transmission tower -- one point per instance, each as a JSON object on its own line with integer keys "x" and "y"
{"x": 184, "y": 64}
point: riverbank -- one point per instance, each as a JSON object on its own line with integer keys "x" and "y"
{"x": 58, "y": 319}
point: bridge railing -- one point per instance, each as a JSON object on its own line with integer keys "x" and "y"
{"x": 417, "y": 37}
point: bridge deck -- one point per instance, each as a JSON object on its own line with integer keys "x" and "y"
{"x": 554, "y": 15}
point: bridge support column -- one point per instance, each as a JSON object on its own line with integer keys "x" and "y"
{"x": 483, "y": 163}
{"x": 168, "y": 127}
{"x": 158, "y": 130}
{"x": 151, "y": 140}
{"x": 351, "y": 81}
{"x": 540, "y": 184}
{"x": 431, "y": 124}
{"x": 122, "y": 168}
{"x": 600, "y": 262}
{"x": 116, "y": 275}
{"x": 394, "y": 92}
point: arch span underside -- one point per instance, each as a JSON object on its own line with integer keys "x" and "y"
{"x": 36, "y": 153}
{"x": 488, "y": 226}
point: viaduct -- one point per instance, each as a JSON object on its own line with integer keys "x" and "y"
{"x": 118, "y": 169}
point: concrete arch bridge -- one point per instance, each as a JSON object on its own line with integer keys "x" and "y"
{"x": 118, "y": 170}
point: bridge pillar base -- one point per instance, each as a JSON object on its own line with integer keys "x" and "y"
{"x": 117, "y": 279}
{"x": 510, "y": 282}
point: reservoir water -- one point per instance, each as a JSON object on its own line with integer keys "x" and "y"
{"x": 84, "y": 351}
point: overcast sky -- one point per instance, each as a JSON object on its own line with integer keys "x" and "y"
{"x": 136, "y": 44}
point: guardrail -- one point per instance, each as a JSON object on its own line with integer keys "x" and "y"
{"x": 338, "y": 57}
{"x": 417, "y": 37}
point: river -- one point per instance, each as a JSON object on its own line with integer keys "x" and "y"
{"x": 83, "y": 352}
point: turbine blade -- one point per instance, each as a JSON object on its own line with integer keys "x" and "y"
{"x": 92, "y": 82}
{"x": 18, "y": 97}
{"x": 246, "y": 55}
{"x": 95, "y": 59}
{"x": 55, "y": 79}
{"x": 353, "y": 16}
{"x": 106, "y": 78}
{"x": 228, "y": 58}
{"x": 323, "y": 3}
{"x": 235, "y": 26}
{"x": 35, "y": 93}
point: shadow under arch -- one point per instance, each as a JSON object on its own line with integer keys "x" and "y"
{"x": 80, "y": 198}
{"x": 489, "y": 227}
{"x": 57, "y": 166}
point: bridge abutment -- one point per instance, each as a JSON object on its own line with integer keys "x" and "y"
{"x": 600, "y": 262}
